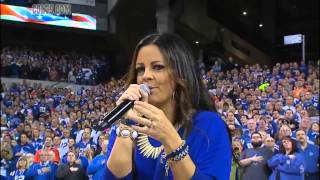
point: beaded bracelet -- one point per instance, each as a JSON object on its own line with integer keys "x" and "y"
{"x": 178, "y": 154}
{"x": 181, "y": 152}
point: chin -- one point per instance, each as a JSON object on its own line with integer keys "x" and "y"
{"x": 153, "y": 102}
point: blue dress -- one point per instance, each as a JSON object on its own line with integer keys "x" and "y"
{"x": 209, "y": 149}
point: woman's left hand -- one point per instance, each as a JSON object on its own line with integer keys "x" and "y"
{"x": 155, "y": 123}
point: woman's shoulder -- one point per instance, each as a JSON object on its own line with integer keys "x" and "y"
{"x": 209, "y": 124}
{"x": 208, "y": 119}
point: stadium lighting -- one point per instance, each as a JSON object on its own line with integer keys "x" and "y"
{"x": 260, "y": 25}
{"x": 244, "y": 13}
{"x": 197, "y": 42}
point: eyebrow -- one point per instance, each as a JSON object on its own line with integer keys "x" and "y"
{"x": 152, "y": 62}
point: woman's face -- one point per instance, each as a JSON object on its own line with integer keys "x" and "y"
{"x": 22, "y": 163}
{"x": 153, "y": 70}
{"x": 287, "y": 144}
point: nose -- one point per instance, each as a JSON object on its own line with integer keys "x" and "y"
{"x": 147, "y": 75}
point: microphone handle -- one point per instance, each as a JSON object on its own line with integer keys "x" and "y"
{"x": 114, "y": 115}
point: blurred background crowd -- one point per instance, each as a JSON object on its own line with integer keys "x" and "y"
{"x": 51, "y": 65}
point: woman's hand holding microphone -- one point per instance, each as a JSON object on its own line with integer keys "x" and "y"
{"x": 150, "y": 120}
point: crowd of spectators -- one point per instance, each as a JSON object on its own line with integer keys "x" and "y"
{"x": 273, "y": 116}
{"x": 51, "y": 65}
{"x": 49, "y": 132}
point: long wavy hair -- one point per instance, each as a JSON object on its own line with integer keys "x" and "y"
{"x": 293, "y": 143}
{"x": 190, "y": 92}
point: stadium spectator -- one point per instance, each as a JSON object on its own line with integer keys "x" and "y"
{"x": 7, "y": 160}
{"x": 310, "y": 154}
{"x": 44, "y": 169}
{"x": 246, "y": 137}
{"x": 254, "y": 160}
{"x": 21, "y": 169}
{"x": 48, "y": 146}
{"x": 269, "y": 142}
{"x": 288, "y": 163}
{"x": 97, "y": 166}
{"x": 86, "y": 141}
{"x": 305, "y": 126}
{"x": 23, "y": 146}
{"x": 64, "y": 142}
{"x": 236, "y": 170}
{"x": 80, "y": 159}
{"x": 37, "y": 142}
{"x": 72, "y": 169}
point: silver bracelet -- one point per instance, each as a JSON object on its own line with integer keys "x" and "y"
{"x": 126, "y": 131}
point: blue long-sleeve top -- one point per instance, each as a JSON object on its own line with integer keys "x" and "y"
{"x": 311, "y": 156}
{"x": 97, "y": 167}
{"x": 289, "y": 169}
{"x": 34, "y": 172}
{"x": 209, "y": 149}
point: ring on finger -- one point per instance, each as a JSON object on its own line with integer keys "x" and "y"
{"x": 150, "y": 124}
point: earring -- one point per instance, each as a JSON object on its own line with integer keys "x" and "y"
{"x": 173, "y": 94}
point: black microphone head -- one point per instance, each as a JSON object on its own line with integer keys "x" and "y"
{"x": 145, "y": 88}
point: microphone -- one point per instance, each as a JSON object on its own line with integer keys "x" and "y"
{"x": 116, "y": 113}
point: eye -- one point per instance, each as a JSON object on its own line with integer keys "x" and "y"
{"x": 139, "y": 70}
{"x": 158, "y": 67}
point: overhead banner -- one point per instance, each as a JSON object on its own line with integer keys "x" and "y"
{"x": 31, "y": 15}
{"x": 79, "y": 2}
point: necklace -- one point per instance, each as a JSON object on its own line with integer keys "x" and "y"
{"x": 146, "y": 148}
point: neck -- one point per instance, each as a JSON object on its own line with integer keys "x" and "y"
{"x": 287, "y": 151}
{"x": 303, "y": 145}
{"x": 262, "y": 128}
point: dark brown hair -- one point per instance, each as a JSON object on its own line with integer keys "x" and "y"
{"x": 293, "y": 143}
{"x": 190, "y": 92}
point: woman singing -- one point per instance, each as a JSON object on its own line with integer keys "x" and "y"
{"x": 173, "y": 132}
